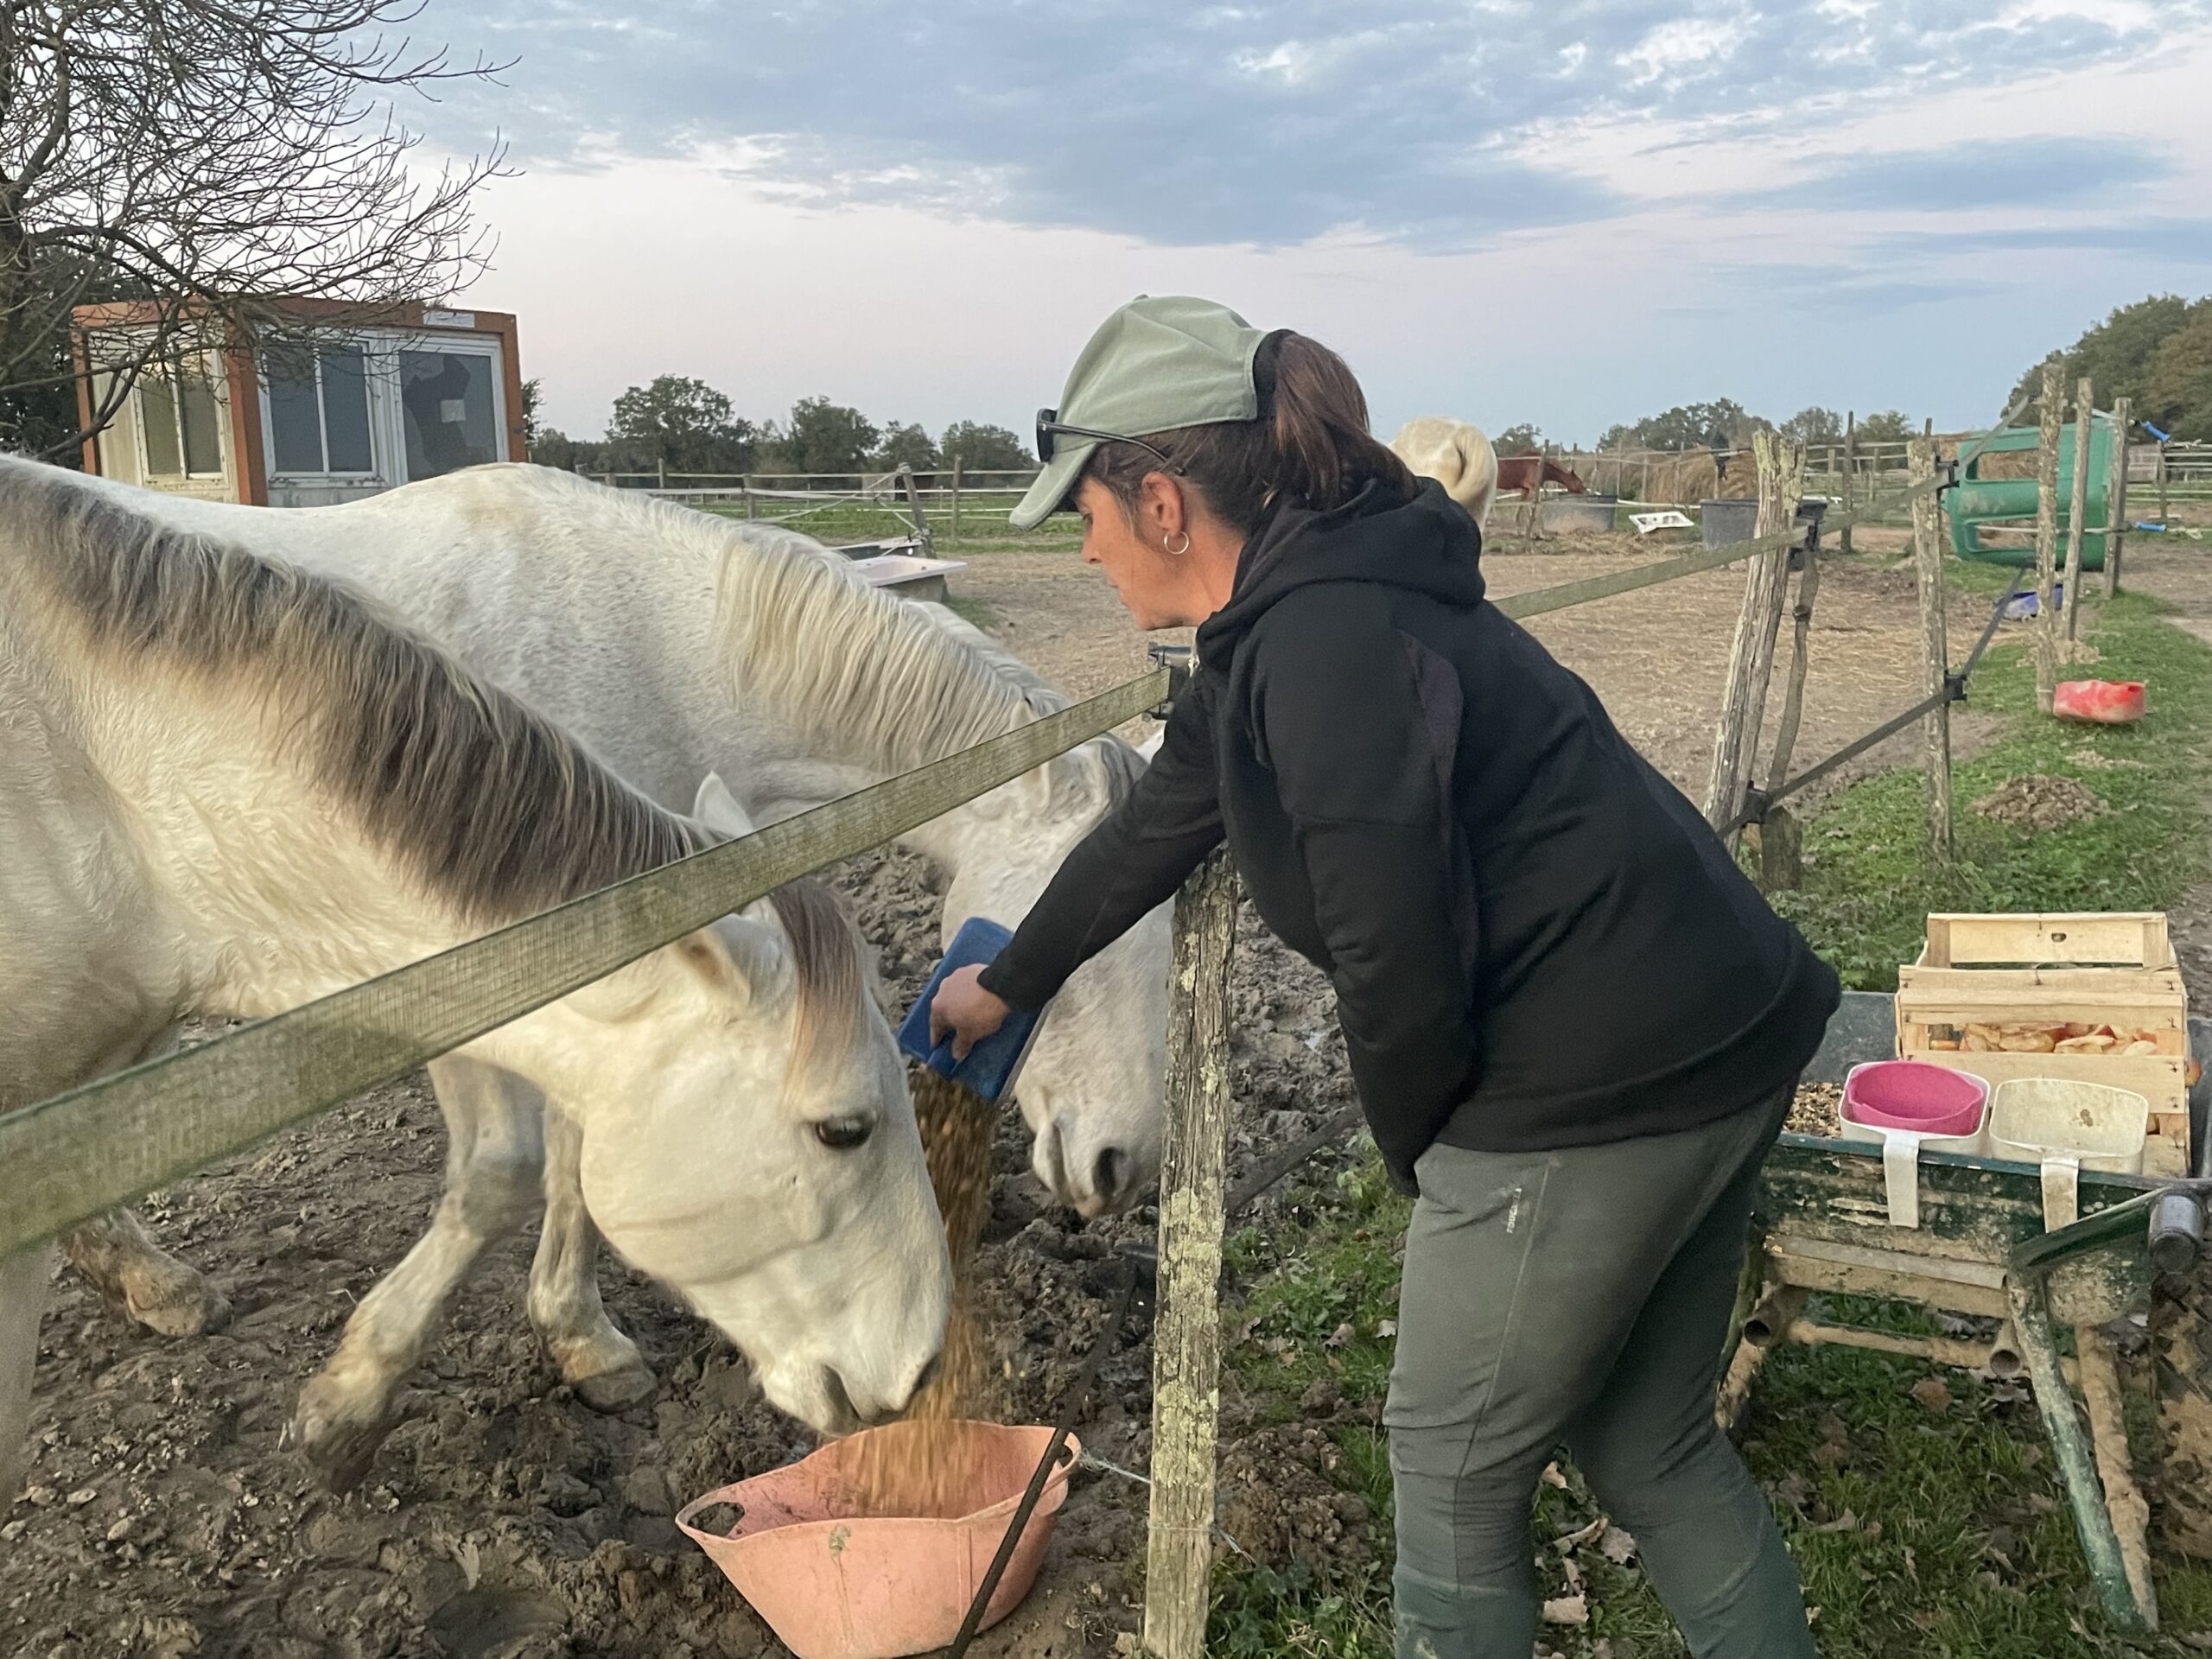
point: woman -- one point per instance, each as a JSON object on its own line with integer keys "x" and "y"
{"x": 1575, "y": 1027}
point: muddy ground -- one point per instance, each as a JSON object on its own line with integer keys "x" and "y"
{"x": 164, "y": 1517}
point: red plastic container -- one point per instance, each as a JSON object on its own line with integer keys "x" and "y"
{"x": 1914, "y": 1096}
{"x": 2107, "y": 702}
{"x": 836, "y": 1583}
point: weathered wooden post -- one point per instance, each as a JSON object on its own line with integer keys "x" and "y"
{"x": 2046, "y": 632}
{"x": 22, "y": 1300}
{"x": 2116, "y": 497}
{"x": 1186, "y": 1335}
{"x": 954, "y": 532}
{"x": 660, "y": 472}
{"x": 745, "y": 484}
{"x": 2077, "y": 504}
{"x": 1751, "y": 659}
{"x": 2162, "y": 480}
{"x": 1850, "y": 484}
{"x": 1927, "y": 566}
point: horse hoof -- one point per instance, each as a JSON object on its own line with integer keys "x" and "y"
{"x": 616, "y": 1390}
{"x": 180, "y": 1304}
{"x": 338, "y": 1443}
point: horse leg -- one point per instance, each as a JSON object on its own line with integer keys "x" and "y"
{"x": 493, "y": 1153}
{"x": 151, "y": 1286}
{"x": 22, "y": 1300}
{"x": 601, "y": 1363}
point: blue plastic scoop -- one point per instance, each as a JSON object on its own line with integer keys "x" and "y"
{"x": 991, "y": 1066}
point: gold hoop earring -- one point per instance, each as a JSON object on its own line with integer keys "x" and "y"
{"x": 1177, "y": 552}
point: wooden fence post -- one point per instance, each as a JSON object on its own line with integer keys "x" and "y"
{"x": 1186, "y": 1335}
{"x": 660, "y": 472}
{"x": 2116, "y": 497}
{"x": 1751, "y": 659}
{"x": 2046, "y": 633}
{"x": 2077, "y": 505}
{"x": 1936, "y": 725}
{"x": 1850, "y": 467}
{"x": 2162, "y": 480}
{"x": 953, "y": 534}
{"x": 745, "y": 485}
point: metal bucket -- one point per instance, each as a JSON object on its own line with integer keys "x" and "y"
{"x": 1583, "y": 512}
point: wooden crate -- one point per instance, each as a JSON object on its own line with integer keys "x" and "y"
{"x": 2116, "y": 969}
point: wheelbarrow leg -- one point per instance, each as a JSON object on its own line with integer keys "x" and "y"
{"x": 2076, "y": 1466}
{"x": 2099, "y": 1370}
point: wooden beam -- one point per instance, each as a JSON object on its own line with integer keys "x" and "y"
{"x": 2116, "y": 497}
{"x": 1187, "y": 1337}
{"x": 1936, "y": 727}
{"x": 1751, "y": 659}
{"x": 2046, "y": 631}
{"x": 2077, "y": 505}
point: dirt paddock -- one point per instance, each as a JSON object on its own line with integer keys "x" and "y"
{"x": 164, "y": 1516}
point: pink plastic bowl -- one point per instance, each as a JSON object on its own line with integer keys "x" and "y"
{"x": 1913, "y": 1095}
{"x": 834, "y": 1584}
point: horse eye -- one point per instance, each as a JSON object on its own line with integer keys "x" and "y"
{"x": 843, "y": 1133}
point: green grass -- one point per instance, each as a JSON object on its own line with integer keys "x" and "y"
{"x": 983, "y": 527}
{"x": 1869, "y": 886}
{"x": 1919, "y": 1531}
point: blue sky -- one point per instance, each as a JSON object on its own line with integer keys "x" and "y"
{"x": 1573, "y": 214}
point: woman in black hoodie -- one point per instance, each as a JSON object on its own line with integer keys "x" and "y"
{"x": 1575, "y": 1026}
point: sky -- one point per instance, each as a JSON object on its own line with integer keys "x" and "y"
{"x": 1568, "y": 214}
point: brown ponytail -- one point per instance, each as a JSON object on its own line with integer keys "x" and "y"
{"x": 1310, "y": 445}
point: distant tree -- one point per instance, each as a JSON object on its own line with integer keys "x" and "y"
{"x": 2177, "y": 391}
{"x": 827, "y": 437}
{"x": 532, "y": 395}
{"x": 2117, "y": 354}
{"x": 1887, "y": 426}
{"x": 1723, "y": 423}
{"x": 984, "y": 448}
{"x": 555, "y": 448}
{"x": 905, "y": 444}
{"x": 684, "y": 425}
{"x": 1518, "y": 439}
{"x": 1813, "y": 425}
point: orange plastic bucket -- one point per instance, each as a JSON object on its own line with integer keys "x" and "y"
{"x": 834, "y": 1584}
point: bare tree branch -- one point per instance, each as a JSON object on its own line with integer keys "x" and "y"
{"x": 218, "y": 158}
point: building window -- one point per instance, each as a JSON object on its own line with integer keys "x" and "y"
{"x": 182, "y": 421}
{"x": 446, "y": 400}
{"x": 318, "y": 409}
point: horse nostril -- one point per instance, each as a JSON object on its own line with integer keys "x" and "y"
{"x": 1112, "y": 1170}
{"x": 841, "y": 1401}
{"x": 925, "y": 1376}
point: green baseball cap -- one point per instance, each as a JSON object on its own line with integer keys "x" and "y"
{"x": 1154, "y": 366}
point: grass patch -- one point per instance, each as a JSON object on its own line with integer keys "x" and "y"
{"x": 977, "y": 613}
{"x": 1919, "y": 1531}
{"x": 1869, "y": 886}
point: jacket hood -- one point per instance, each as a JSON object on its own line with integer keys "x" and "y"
{"x": 1427, "y": 544}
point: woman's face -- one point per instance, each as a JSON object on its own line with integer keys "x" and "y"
{"x": 1160, "y": 589}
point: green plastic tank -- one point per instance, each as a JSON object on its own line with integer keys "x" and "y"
{"x": 1979, "y": 501}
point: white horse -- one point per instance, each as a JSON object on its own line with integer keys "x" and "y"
{"x": 1457, "y": 456}
{"x": 227, "y": 787}
{"x": 673, "y": 643}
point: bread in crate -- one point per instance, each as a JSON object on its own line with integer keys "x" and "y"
{"x": 2095, "y": 998}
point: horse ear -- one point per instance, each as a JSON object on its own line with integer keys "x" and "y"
{"x": 737, "y": 956}
{"x": 717, "y": 809}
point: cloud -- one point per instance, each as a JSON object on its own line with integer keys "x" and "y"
{"x": 1272, "y": 124}
{"x": 2046, "y": 172}
{"x": 2185, "y": 241}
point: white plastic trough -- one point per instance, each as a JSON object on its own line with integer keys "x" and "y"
{"x": 909, "y": 575}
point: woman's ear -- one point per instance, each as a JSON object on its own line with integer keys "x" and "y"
{"x": 1163, "y": 511}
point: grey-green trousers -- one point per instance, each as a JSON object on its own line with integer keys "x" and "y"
{"x": 1579, "y": 1298}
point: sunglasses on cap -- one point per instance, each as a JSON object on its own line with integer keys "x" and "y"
{"x": 1050, "y": 426}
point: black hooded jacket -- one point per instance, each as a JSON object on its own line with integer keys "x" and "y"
{"x": 1536, "y": 940}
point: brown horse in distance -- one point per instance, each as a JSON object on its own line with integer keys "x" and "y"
{"x": 1521, "y": 475}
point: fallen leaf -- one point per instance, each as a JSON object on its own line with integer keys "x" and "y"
{"x": 1566, "y": 1610}
{"x": 1845, "y": 1522}
{"x": 1573, "y": 1541}
{"x": 1552, "y": 1478}
{"x": 1616, "y": 1547}
{"x": 1573, "y": 1574}
{"x": 1387, "y": 1329}
{"x": 1343, "y": 1334}
{"x": 1932, "y": 1392}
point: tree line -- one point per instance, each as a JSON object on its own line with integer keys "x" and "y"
{"x": 678, "y": 423}
{"x": 1722, "y": 423}
{"x": 2156, "y": 353}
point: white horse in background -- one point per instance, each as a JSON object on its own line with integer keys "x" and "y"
{"x": 1457, "y": 456}
{"x": 673, "y": 643}
{"x": 227, "y": 787}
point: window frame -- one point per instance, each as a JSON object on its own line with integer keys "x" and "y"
{"x": 170, "y": 372}
{"x": 379, "y": 470}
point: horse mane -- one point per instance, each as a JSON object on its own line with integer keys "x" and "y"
{"x": 879, "y": 681}
{"x": 491, "y": 807}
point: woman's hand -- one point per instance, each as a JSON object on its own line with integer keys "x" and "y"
{"x": 965, "y": 1010}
